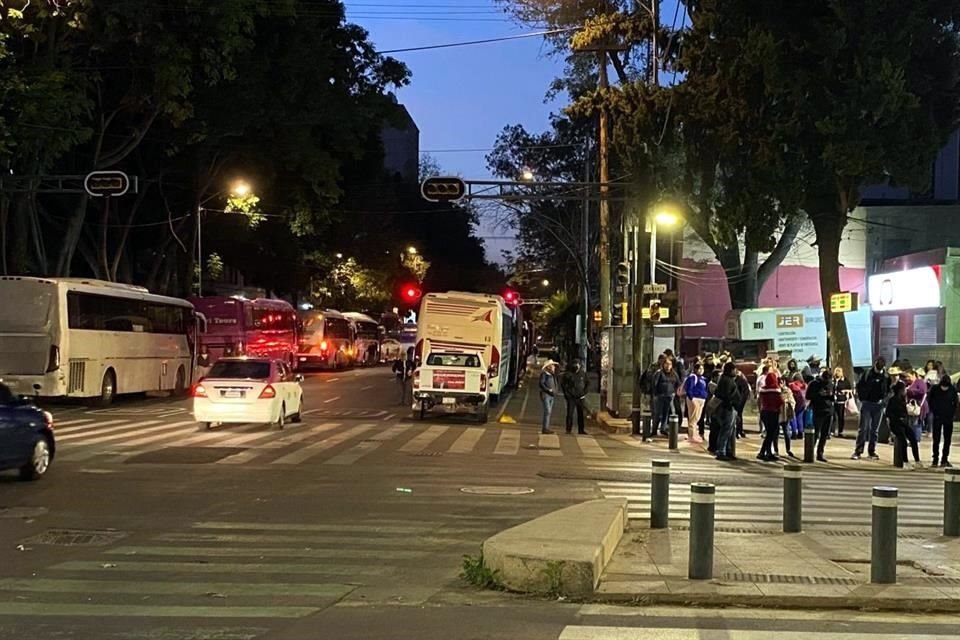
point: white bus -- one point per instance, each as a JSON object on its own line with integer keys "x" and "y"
{"x": 92, "y": 339}
{"x": 367, "y": 337}
{"x": 468, "y": 322}
{"x": 326, "y": 340}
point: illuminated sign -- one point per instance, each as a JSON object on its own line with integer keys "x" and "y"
{"x": 844, "y": 302}
{"x": 789, "y": 321}
{"x": 911, "y": 289}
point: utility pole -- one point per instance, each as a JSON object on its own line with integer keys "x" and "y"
{"x": 585, "y": 230}
{"x": 603, "y": 154}
{"x": 639, "y": 339}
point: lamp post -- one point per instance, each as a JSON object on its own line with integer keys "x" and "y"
{"x": 666, "y": 215}
{"x": 238, "y": 189}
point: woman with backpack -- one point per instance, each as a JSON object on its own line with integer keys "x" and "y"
{"x": 694, "y": 390}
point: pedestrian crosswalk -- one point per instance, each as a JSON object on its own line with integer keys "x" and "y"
{"x": 315, "y": 441}
{"x": 841, "y": 498}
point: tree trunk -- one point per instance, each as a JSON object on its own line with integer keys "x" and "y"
{"x": 72, "y": 237}
{"x": 829, "y": 227}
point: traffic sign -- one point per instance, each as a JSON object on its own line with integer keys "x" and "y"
{"x": 654, "y": 288}
{"x": 844, "y": 302}
{"x": 107, "y": 183}
{"x": 664, "y": 313}
{"x": 443, "y": 189}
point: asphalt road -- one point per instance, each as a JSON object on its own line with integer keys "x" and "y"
{"x": 352, "y": 524}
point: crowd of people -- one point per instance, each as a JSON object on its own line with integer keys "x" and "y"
{"x": 789, "y": 398}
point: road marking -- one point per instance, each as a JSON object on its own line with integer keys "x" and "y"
{"x": 332, "y": 539}
{"x": 467, "y": 440}
{"x": 629, "y": 633}
{"x": 508, "y": 444}
{"x": 627, "y": 440}
{"x": 213, "y": 434}
{"x": 353, "y": 454}
{"x": 141, "y": 611}
{"x": 549, "y": 445}
{"x": 523, "y": 406}
{"x": 270, "y": 442}
{"x": 71, "y": 423}
{"x": 265, "y": 552}
{"x": 366, "y": 388}
{"x": 333, "y": 380}
{"x": 83, "y": 432}
{"x": 590, "y": 447}
{"x": 150, "y": 568}
{"x": 391, "y": 433}
{"x": 333, "y": 399}
{"x": 270, "y": 589}
{"x": 341, "y": 528}
{"x": 389, "y": 417}
{"x": 315, "y": 449}
{"x": 421, "y": 442}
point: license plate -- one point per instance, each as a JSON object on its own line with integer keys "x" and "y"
{"x": 449, "y": 401}
{"x": 234, "y": 394}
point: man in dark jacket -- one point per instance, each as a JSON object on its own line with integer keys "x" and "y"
{"x": 574, "y": 385}
{"x": 820, "y": 395}
{"x": 942, "y": 400}
{"x": 873, "y": 387}
{"x": 724, "y": 416}
{"x": 664, "y": 387}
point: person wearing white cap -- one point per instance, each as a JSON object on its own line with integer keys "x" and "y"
{"x": 548, "y": 392}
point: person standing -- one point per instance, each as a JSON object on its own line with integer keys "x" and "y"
{"x": 548, "y": 392}
{"x": 843, "y": 391}
{"x": 901, "y": 424}
{"x": 811, "y": 371}
{"x": 743, "y": 387}
{"x": 404, "y": 370}
{"x": 695, "y": 391}
{"x": 770, "y": 401}
{"x": 664, "y": 385}
{"x": 681, "y": 371}
{"x": 820, "y": 397}
{"x": 942, "y": 400}
{"x": 724, "y": 416}
{"x": 872, "y": 389}
{"x": 574, "y": 385}
{"x": 798, "y": 387}
{"x": 712, "y": 383}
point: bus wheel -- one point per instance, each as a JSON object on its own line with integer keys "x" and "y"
{"x": 108, "y": 388}
{"x": 180, "y": 384}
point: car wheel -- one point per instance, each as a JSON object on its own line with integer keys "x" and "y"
{"x": 282, "y": 418}
{"x": 483, "y": 416}
{"x": 108, "y": 389}
{"x": 180, "y": 384}
{"x": 39, "y": 462}
{"x": 207, "y": 426}
{"x": 298, "y": 416}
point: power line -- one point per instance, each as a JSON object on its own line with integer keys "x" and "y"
{"x": 465, "y": 43}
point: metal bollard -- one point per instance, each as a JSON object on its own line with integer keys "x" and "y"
{"x": 660, "y": 495}
{"x": 792, "y": 498}
{"x": 951, "y": 502}
{"x": 700, "y": 558}
{"x": 883, "y": 543}
{"x": 897, "y": 451}
{"x": 809, "y": 444}
{"x": 673, "y": 431}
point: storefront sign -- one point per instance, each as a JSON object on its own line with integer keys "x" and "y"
{"x": 911, "y": 289}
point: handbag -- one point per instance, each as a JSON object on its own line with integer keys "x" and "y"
{"x": 682, "y": 391}
{"x": 913, "y": 409}
{"x": 850, "y": 406}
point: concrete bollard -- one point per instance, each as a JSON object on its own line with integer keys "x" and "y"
{"x": 951, "y": 503}
{"x": 792, "y": 498}
{"x": 809, "y": 444}
{"x": 700, "y": 557}
{"x": 673, "y": 431}
{"x": 883, "y": 543}
{"x": 660, "y": 495}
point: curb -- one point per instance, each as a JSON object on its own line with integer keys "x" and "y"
{"x": 609, "y": 424}
{"x": 706, "y": 600}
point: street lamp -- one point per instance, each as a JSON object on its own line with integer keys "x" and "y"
{"x": 412, "y": 250}
{"x": 240, "y": 189}
{"x": 664, "y": 214}
{"x": 545, "y": 283}
{"x": 527, "y": 175}
{"x": 339, "y": 256}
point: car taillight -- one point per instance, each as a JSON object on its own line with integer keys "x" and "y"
{"x": 268, "y": 392}
{"x": 483, "y": 382}
{"x": 495, "y": 363}
{"x": 199, "y": 391}
{"x": 53, "y": 359}
{"x": 418, "y": 350}
{"x": 323, "y": 345}
{"x": 48, "y": 418}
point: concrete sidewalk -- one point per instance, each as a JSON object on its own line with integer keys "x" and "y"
{"x": 753, "y": 567}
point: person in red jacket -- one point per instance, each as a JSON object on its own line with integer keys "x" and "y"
{"x": 770, "y": 401}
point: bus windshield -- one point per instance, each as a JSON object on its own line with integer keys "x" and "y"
{"x": 223, "y": 315}
{"x": 27, "y": 306}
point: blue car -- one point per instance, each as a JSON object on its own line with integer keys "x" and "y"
{"x": 26, "y": 436}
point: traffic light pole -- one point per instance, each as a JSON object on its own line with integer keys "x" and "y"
{"x": 639, "y": 329}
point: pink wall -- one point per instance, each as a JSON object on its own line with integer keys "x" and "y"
{"x": 704, "y": 296}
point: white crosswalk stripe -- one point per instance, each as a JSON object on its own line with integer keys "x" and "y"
{"x": 332, "y": 442}
{"x": 586, "y": 632}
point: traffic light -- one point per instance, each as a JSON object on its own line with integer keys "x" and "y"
{"x": 624, "y": 313}
{"x": 616, "y": 315}
{"x": 654, "y": 311}
{"x": 106, "y": 183}
{"x": 511, "y": 297}
{"x": 597, "y": 316}
{"x": 623, "y": 273}
{"x": 443, "y": 189}
{"x": 411, "y": 293}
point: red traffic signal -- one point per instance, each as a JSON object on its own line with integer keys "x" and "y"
{"x": 411, "y": 293}
{"x": 511, "y": 297}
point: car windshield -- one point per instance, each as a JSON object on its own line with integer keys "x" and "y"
{"x": 242, "y": 369}
{"x": 453, "y": 360}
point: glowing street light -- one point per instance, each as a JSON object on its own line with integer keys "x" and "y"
{"x": 666, "y": 218}
{"x": 240, "y": 189}
{"x": 527, "y": 174}
{"x": 545, "y": 283}
{"x": 339, "y": 256}
{"x": 412, "y": 250}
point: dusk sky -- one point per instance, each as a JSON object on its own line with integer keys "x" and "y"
{"x": 462, "y": 97}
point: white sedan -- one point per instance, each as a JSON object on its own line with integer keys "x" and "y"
{"x": 248, "y": 390}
